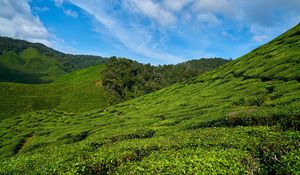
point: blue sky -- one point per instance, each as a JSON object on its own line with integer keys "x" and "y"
{"x": 150, "y": 31}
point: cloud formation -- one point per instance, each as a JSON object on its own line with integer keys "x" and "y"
{"x": 132, "y": 38}
{"x": 71, "y": 13}
{"x": 17, "y": 21}
{"x": 156, "y": 31}
{"x": 152, "y": 10}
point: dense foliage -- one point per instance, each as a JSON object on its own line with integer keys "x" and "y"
{"x": 125, "y": 79}
{"x": 241, "y": 118}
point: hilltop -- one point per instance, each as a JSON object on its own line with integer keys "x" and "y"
{"x": 241, "y": 118}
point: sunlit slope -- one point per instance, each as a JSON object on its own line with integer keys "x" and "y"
{"x": 223, "y": 122}
{"x": 78, "y": 91}
{"x": 82, "y": 90}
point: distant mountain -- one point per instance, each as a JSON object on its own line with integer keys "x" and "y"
{"x": 25, "y": 62}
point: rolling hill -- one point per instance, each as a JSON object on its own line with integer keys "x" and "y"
{"x": 40, "y": 67}
{"x": 82, "y": 90}
{"x": 77, "y": 92}
{"x": 241, "y": 118}
{"x": 35, "y": 63}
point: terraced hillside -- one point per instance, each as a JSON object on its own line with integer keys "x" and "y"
{"x": 242, "y": 118}
{"x": 78, "y": 91}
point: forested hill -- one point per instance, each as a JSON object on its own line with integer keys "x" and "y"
{"x": 125, "y": 79}
{"x": 25, "y": 62}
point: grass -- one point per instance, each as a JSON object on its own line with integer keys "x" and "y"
{"x": 242, "y": 118}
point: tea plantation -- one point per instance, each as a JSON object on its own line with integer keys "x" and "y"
{"x": 241, "y": 118}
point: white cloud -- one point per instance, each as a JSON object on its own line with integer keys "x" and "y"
{"x": 260, "y": 12}
{"x": 71, "y": 13}
{"x": 229, "y": 35}
{"x": 152, "y": 10}
{"x": 67, "y": 12}
{"x": 260, "y": 38}
{"x": 222, "y": 7}
{"x": 176, "y": 5}
{"x": 208, "y": 19}
{"x": 17, "y": 21}
{"x": 41, "y": 9}
{"x": 133, "y": 39}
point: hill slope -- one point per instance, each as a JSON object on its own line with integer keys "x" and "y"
{"x": 41, "y": 68}
{"x": 232, "y": 120}
{"x": 77, "y": 92}
{"x": 83, "y": 90}
{"x": 25, "y": 62}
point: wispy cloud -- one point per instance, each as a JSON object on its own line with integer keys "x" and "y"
{"x": 41, "y": 9}
{"x": 156, "y": 31}
{"x": 71, "y": 13}
{"x": 152, "y": 10}
{"x": 67, "y": 12}
{"x": 133, "y": 39}
{"x": 177, "y": 5}
{"x": 208, "y": 19}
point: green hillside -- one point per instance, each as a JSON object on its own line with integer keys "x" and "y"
{"x": 25, "y": 62}
{"x": 83, "y": 90}
{"x": 242, "y": 118}
{"x": 77, "y": 92}
{"x": 30, "y": 62}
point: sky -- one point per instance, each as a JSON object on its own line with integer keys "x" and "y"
{"x": 149, "y": 31}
